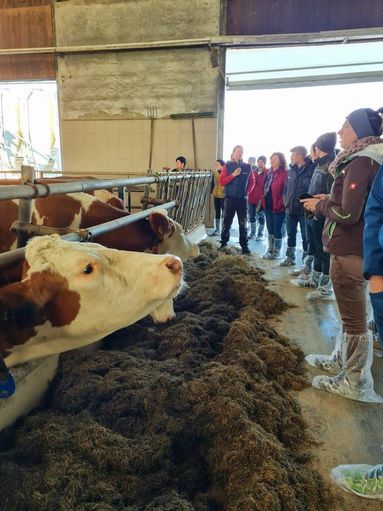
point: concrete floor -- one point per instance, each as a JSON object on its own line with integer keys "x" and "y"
{"x": 347, "y": 431}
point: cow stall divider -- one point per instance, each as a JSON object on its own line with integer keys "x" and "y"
{"x": 183, "y": 194}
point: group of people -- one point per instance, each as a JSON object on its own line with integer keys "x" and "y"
{"x": 274, "y": 197}
{"x": 337, "y": 200}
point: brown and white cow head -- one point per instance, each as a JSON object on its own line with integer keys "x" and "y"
{"x": 75, "y": 294}
{"x": 172, "y": 238}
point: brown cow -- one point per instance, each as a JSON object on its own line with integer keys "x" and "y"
{"x": 157, "y": 234}
{"x": 77, "y": 293}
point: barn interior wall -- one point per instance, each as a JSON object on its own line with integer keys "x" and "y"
{"x": 104, "y": 97}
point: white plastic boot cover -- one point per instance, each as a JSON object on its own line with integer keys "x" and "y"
{"x": 363, "y": 480}
{"x": 355, "y": 380}
{"x": 330, "y": 363}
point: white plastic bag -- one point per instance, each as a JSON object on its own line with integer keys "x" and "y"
{"x": 362, "y": 480}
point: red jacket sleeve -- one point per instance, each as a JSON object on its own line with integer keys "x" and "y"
{"x": 224, "y": 179}
{"x": 251, "y": 183}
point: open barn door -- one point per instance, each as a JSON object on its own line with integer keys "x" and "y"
{"x": 280, "y": 97}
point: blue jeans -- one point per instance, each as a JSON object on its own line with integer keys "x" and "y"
{"x": 292, "y": 222}
{"x": 274, "y": 223}
{"x": 254, "y": 216}
{"x": 314, "y": 229}
{"x": 377, "y": 307}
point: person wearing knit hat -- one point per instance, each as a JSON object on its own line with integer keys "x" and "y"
{"x": 321, "y": 183}
{"x": 326, "y": 142}
{"x": 354, "y": 170}
{"x": 366, "y": 122}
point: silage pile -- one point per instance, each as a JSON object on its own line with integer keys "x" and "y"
{"x": 195, "y": 416}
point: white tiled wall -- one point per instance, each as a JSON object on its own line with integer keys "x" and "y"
{"x": 118, "y": 147}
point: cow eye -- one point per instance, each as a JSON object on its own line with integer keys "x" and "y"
{"x": 88, "y": 269}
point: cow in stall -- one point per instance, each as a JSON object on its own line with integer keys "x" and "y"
{"x": 156, "y": 234}
{"x": 77, "y": 293}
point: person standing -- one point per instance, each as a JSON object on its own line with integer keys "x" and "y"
{"x": 354, "y": 171}
{"x": 373, "y": 250}
{"x": 238, "y": 180}
{"x": 251, "y": 162}
{"x": 321, "y": 183}
{"x": 180, "y": 164}
{"x": 272, "y": 203}
{"x": 298, "y": 181}
{"x": 367, "y": 480}
{"x": 255, "y": 201}
{"x": 218, "y": 195}
{"x": 307, "y": 262}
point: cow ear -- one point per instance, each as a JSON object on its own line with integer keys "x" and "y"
{"x": 161, "y": 225}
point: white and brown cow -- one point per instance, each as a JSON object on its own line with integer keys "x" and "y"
{"x": 77, "y": 293}
{"x": 157, "y": 234}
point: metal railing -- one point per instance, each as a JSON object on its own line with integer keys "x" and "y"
{"x": 189, "y": 189}
{"x": 184, "y": 193}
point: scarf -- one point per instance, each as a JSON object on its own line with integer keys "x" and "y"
{"x": 355, "y": 147}
{"x": 268, "y": 181}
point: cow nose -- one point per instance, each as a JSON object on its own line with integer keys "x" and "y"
{"x": 174, "y": 264}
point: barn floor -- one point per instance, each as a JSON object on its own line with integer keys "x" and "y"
{"x": 347, "y": 431}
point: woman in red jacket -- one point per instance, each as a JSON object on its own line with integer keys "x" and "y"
{"x": 255, "y": 200}
{"x": 272, "y": 203}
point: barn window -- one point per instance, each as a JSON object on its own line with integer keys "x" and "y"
{"x": 29, "y": 128}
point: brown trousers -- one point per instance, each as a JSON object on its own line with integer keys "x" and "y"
{"x": 349, "y": 285}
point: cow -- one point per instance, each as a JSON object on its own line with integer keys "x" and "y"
{"x": 77, "y": 293}
{"x": 157, "y": 234}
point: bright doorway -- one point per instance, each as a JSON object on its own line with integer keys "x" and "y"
{"x": 278, "y": 98}
{"x": 29, "y": 127}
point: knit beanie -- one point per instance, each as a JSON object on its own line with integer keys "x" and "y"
{"x": 366, "y": 122}
{"x": 326, "y": 142}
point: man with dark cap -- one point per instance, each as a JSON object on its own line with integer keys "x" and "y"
{"x": 321, "y": 183}
{"x": 298, "y": 181}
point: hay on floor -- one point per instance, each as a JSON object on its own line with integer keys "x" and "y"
{"x": 196, "y": 415}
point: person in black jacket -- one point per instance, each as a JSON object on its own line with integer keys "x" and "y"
{"x": 298, "y": 181}
{"x": 321, "y": 182}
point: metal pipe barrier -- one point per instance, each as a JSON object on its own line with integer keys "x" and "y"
{"x": 43, "y": 190}
{"x": 17, "y": 255}
{"x": 188, "y": 190}
{"x": 191, "y": 194}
